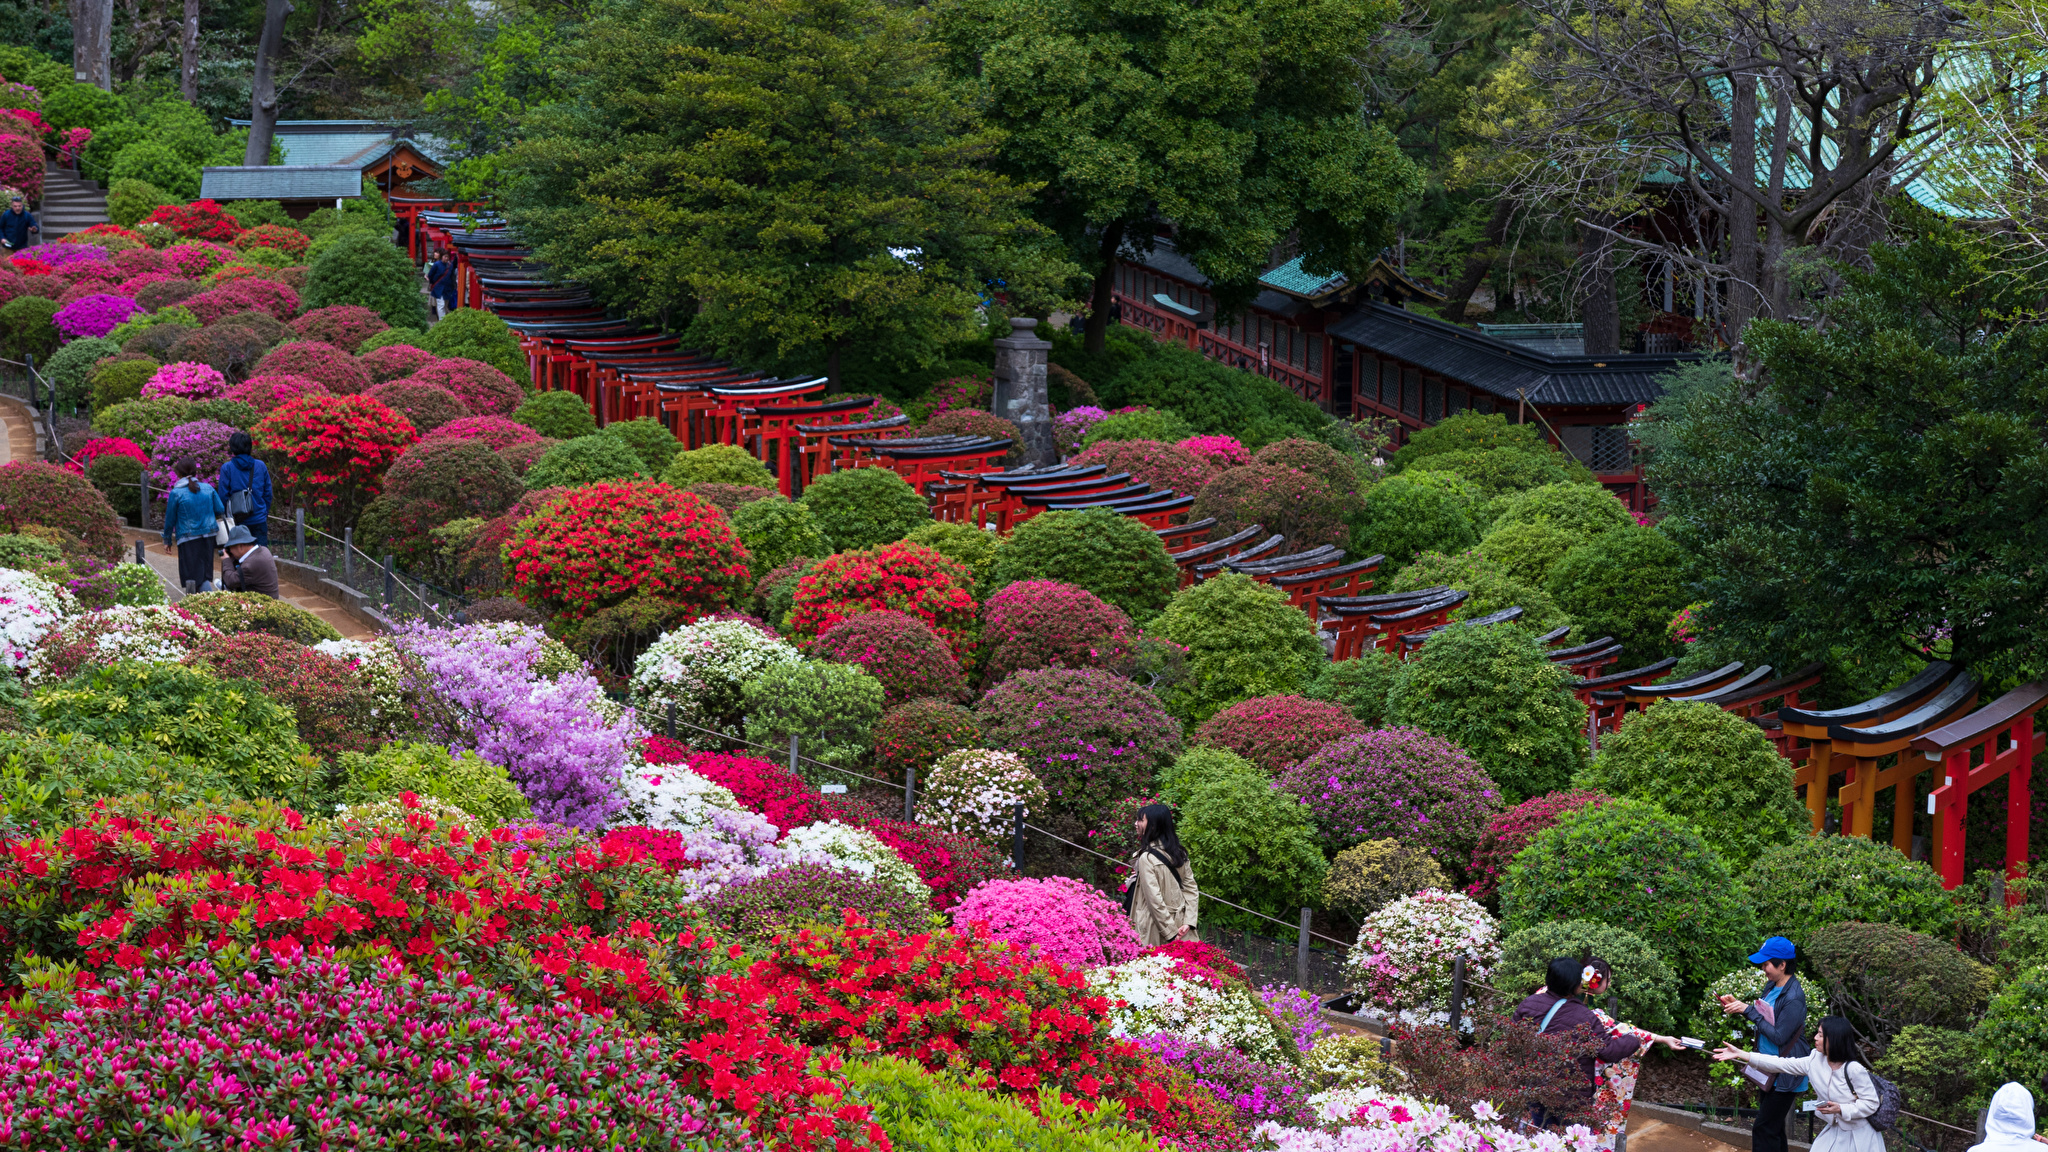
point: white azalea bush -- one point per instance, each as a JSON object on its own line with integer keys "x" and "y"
{"x": 854, "y": 850}
{"x": 1367, "y": 1119}
{"x": 700, "y": 668}
{"x": 975, "y": 792}
{"x": 145, "y": 634}
{"x": 30, "y": 607}
{"x": 377, "y": 663}
{"x": 1160, "y": 993}
{"x": 672, "y": 796}
{"x": 1401, "y": 964}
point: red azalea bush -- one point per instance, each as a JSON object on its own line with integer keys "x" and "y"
{"x": 290, "y": 241}
{"x": 594, "y": 547}
{"x": 199, "y": 220}
{"x": 898, "y": 577}
{"x": 917, "y": 733}
{"x": 1275, "y": 731}
{"x": 1049, "y": 624}
{"x": 100, "y": 272}
{"x": 164, "y": 293}
{"x": 343, "y": 325}
{"x": 899, "y": 650}
{"x": 495, "y": 432}
{"x": 783, "y": 798}
{"x": 1200, "y": 954}
{"x": 487, "y": 391}
{"x": 1396, "y": 784}
{"x": 1163, "y": 466}
{"x": 1285, "y": 500}
{"x": 427, "y": 406}
{"x": 1091, "y": 737}
{"x": 395, "y": 360}
{"x": 1510, "y": 832}
{"x": 333, "y": 703}
{"x": 196, "y": 258}
{"x": 105, "y": 446}
{"x": 32, "y": 492}
{"x": 329, "y": 453}
{"x": 264, "y": 393}
{"x": 332, "y": 367}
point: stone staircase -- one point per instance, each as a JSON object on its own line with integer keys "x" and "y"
{"x": 71, "y": 203}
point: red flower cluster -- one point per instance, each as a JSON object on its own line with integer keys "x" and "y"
{"x": 201, "y": 219}
{"x": 900, "y": 577}
{"x": 331, "y": 451}
{"x": 290, "y": 241}
{"x": 592, "y": 547}
{"x": 1510, "y": 832}
{"x": 1275, "y": 731}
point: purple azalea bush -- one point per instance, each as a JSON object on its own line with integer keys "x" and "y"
{"x": 1070, "y": 426}
{"x": 558, "y": 738}
{"x": 1257, "y": 1090}
{"x": 1300, "y": 1012}
{"x": 93, "y": 315}
{"x": 204, "y": 440}
{"x": 67, "y": 255}
{"x": 1396, "y": 784}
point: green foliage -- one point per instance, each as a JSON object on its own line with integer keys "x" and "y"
{"x": 1370, "y": 875}
{"x": 1492, "y": 691}
{"x": 468, "y": 781}
{"x": 830, "y": 708}
{"x": 964, "y": 543}
{"x": 119, "y": 479}
{"x": 232, "y": 413}
{"x": 1645, "y": 984}
{"x": 136, "y": 585}
{"x": 119, "y": 382}
{"x": 25, "y": 326}
{"x": 1469, "y": 431}
{"x": 1360, "y": 684}
{"x": 1815, "y": 881}
{"x": 237, "y": 612}
{"x": 935, "y": 1112}
{"x": 229, "y": 725}
{"x": 1113, "y": 556}
{"x": 255, "y": 213}
{"x": 1198, "y": 766}
{"x": 1497, "y": 472}
{"x": 1161, "y": 425}
{"x": 1935, "y": 1069}
{"x": 1630, "y": 865}
{"x": 863, "y": 507}
{"x": 1491, "y": 588}
{"x": 557, "y": 415}
{"x": 80, "y": 106}
{"x": 1587, "y": 510}
{"x": 473, "y": 334}
{"x": 51, "y": 779}
{"x": 141, "y": 420}
{"x": 410, "y": 337}
{"x": 70, "y": 367}
{"x": 128, "y": 201}
{"x": 369, "y": 270}
{"x": 1627, "y": 584}
{"x": 776, "y": 532}
{"x": 1885, "y": 978}
{"x": 719, "y": 464}
{"x": 1134, "y": 369}
{"x": 2012, "y": 1038}
{"x": 583, "y": 460}
{"x": 649, "y": 439}
{"x": 1243, "y": 639}
{"x": 159, "y": 166}
{"x": 1251, "y": 844}
{"x": 21, "y": 551}
{"x": 1526, "y": 552}
{"x": 1408, "y": 515}
{"x": 1703, "y": 765}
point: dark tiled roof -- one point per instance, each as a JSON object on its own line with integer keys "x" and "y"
{"x": 1164, "y": 257}
{"x": 1501, "y": 368}
{"x": 281, "y": 182}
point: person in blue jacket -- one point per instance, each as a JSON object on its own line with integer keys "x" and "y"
{"x": 191, "y": 509}
{"x": 243, "y": 472}
{"x": 19, "y": 226}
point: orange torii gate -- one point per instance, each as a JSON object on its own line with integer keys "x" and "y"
{"x": 1815, "y": 765}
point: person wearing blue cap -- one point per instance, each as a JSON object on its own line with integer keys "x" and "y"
{"x": 1780, "y": 1019}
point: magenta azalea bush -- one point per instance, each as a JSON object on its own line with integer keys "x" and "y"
{"x": 266, "y": 392}
{"x": 1049, "y": 624}
{"x": 204, "y": 440}
{"x": 1218, "y": 451}
{"x": 94, "y": 315}
{"x": 1059, "y": 917}
{"x": 186, "y": 380}
{"x": 66, "y": 256}
{"x": 1399, "y": 784}
{"x": 1071, "y": 426}
{"x": 1258, "y": 1091}
{"x": 1092, "y": 738}
{"x": 195, "y": 258}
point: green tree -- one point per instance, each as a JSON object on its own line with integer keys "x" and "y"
{"x": 1491, "y": 691}
{"x": 1243, "y": 639}
{"x": 1705, "y": 765}
{"x": 792, "y": 174}
{"x": 1232, "y": 120}
{"x": 1627, "y": 584}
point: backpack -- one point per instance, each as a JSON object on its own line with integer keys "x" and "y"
{"x": 1889, "y": 1102}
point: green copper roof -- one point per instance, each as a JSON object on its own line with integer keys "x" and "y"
{"x": 1289, "y": 278}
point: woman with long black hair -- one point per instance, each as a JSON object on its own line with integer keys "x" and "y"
{"x": 1162, "y": 896}
{"x": 1839, "y": 1077}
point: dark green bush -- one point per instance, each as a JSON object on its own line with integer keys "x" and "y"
{"x": 128, "y": 201}
{"x": 1251, "y": 844}
{"x": 1243, "y": 639}
{"x": 649, "y": 439}
{"x": 862, "y": 507}
{"x": 1360, "y": 684}
{"x": 1814, "y": 881}
{"x": 1471, "y": 432}
{"x": 367, "y": 269}
{"x": 1885, "y": 978}
{"x": 1492, "y": 691}
{"x": 776, "y": 532}
{"x": 1527, "y": 552}
{"x": 1408, "y": 515}
{"x": 410, "y": 337}
{"x": 52, "y": 779}
{"x": 473, "y": 334}
{"x": 1705, "y": 765}
{"x": 1628, "y": 584}
{"x": 830, "y": 708}
{"x": 26, "y": 327}
{"x": 233, "y": 413}
{"x": 1134, "y": 369}
{"x": 1644, "y": 983}
{"x": 467, "y": 781}
{"x": 2012, "y": 1039}
{"x": 557, "y": 415}
{"x": 1936, "y": 1071}
{"x": 255, "y": 213}
{"x": 1491, "y": 588}
{"x": 120, "y": 382}
{"x": 70, "y": 370}
{"x": 142, "y": 420}
{"x": 964, "y": 543}
{"x": 584, "y": 460}
{"x": 1113, "y": 556}
{"x": 119, "y": 479}
{"x": 1631, "y": 865}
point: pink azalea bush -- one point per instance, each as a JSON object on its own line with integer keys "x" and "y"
{"x": 482, "y": 388}
{"x": 1219, "y": 451}
{"x": 186, "y": 380}
{"x": 1163, "y": 466}
{"x": 395, "y": 360}
{"x": 1069, "y": 428}
{"x": 95, "y": 315}
{"x": 266, "y": 392}
{"x": 333, "y": 368}
{"x": 497, "y": 432}
{"x": 195, "y": 258}
{"x": 1059, "y": 917}
{"x": 1050, "y": 624}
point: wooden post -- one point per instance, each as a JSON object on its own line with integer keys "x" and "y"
{"x": 389, "y": 581}
{"x": 1301, "y": 951}
{"x": 792, "y": 754}
{"x": 139, "y": 558}
{"x": 348, "y": 556}
{"x": 2019, "y": 803}
{"x": 1457, "y": 992}
{"x": 299, "y": 531}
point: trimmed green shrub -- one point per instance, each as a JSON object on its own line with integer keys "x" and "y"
{"x": 1113, "y": 556}
{"x": 467, "y": 781}
{"x": 1643, "y": 982}
{"x": 20, "y": 551}
{"x": 1489, "y": 586}
{"x": 392, "y": 337}
{"x": 964, "y": 543}
{"x": 1493, "y": 692}
{"x": 256, "y": 213}
{"x": 557, "y": 415}
{"x": 1885, "y": 978}
{"x": 1243, "y": 639}
{"x": 864, "y": 507}
{"x": 1496, "y": 472}
{"x": 584, "y": 460}
{"x": 1408, "y": 515}
{"x": 119, "y": 382}
{"x": 237, "y": 612}
{"x": 776, "y": 532}
{"x": 1707, "y": 766}
{"x": 473, "y": 334}
{"x": 1526, "y": 552}
{"x": 119, "y": 479}
{"x": 26, "y": 326}
{"x": 52, "y": 779}
{"x": 1585, "y": 509}
{"x": 720, "y": 464}
{"x": 649, "y": 439}
{"x": 1632, "y": 866}
{"x": 935, "y": 1112}
{"x": 1359, "y": 684}
{"x": 1470, "y": 432}
{"x": 142, "y": 420}
{"x": 1367, "y": 877}
{"x": 2012, "y": 1038}
{"x": 233, "y": 413}
{"x": 1627, "y": 583}
{"x": 158, "y": 165}
{"x": 128, "y": 201}
{"x": 80, "y": 106}
{"x": 830, "y": 708}
{"x": 1202, "y": 763}
{"x": 70, "y": 369}
{"x": 1814, "y": 881}
{"x": 1251, "y": 844}
{"x": 367, "y": 269}
{"x": 1161, "y": 425}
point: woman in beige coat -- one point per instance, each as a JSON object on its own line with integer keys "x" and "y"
{"x": 1162, "y": 897}
{"x": 1836, "y": 1071}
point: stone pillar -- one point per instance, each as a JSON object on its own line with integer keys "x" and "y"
{"x": 1020, "y": 389}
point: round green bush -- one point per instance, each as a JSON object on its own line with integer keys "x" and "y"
{"x": 70, "y": 369}
{"x": 1408, "y": 515}
{"x": 157, "y": 164}
{"x": 238, "y": 612}
{"x": 1493, "y": 692}
{"x": 964, "y": 543}
{"x": 1632, "y": 866}
{"x": 1178, "y": 779}
{"x": 1470, "y": 432}
{"x": 1526, "y": 552}
{"x": 26, "y": 326}
{"x": 557, "y": 415}
{"x": 1814, "y": 881}
{"x": 584, "y": 460}
{"x": 119, "y": 479}
{"x": 1498, "y": 471}
{"x": 1644, "y": 984}
{"x": 368, "y": 269}
{"x": 863, "y": 507}
{"x": 776, "y": 532}
{"x": 1885, "y": 978}
{"x": 2012, "y": 1038}
{"x": 830, "y": 708}
{"x": 1584, "y": 509}
{"x": 128, "y": 201}
{"x": 1243, "y": 639}
{"x": 473, "y": 334}
{"x": 393, "y": 337}
{"x": 1490, "y": 589}
{"x": 120, "y": 382}
{"x": 233, "y": 413}
{"x": 1160, "y": 424}
{"x": 1705, "y": 765}
{"x": 1251, "y": 844}
{"x": 1628, "y": 584}
{"x": 718, "y": 464}
{"x": 1091, "y": 737}
{"x": 1113, "y": 556}
{"x": 1360, "y": 684}
{"x": 649, "y": 439}
{"x": 81, "y": 106}
{"x": 467, "y": 781}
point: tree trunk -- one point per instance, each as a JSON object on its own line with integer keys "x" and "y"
{"x": 1743, "y": 299}
{"x": 1479, "y": 262}
{"x": 92, "y": 42}
{"x": 832, "y": 366}
{"x": 188, "y": 48}
{"x": 1105, "y": 287}
{"x": 263, "y": 90}
{"x": 1599, "y": 310}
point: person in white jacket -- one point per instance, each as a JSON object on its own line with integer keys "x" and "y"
{"x": 1836, "y": 1071}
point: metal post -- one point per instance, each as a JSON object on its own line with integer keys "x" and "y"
{"x": 389, "y": 580}
{"x": 142, "y": 509}
{"x": 671, "y": 725}
{"x": 28, "y": 360}
{"x": 1301, "y": 951}
{"x": 910, "y": 795}
{"x": 299, "y": 530}
{"x": 792, "y": 753}
{"x": 1017, "y": 836}
{"x": 1457, "y": 992}
{"x": 348, "y": 556}
{"x": 139, "y": 558}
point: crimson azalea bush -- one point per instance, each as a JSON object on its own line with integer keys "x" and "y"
{"x": 265, "y": 393}
{"x": 487, "y": 391}
{"x": 898, "y": 577}
{"x": 199, "y": 220}
{"x": 899, "y": 650}
{"x": 426, "y": 405}
{"x": 343, "y": 325}
{"x": 1050, "y": 624}
{"x": 395, "y": 360}
{"x": 1163, "y": 466}
{"x": 496, "y": 432}
{"x": 323, "y": 362}
{"x": 329, "y": 453}
{"x": 1091, "y": 737}
{"x": 32, "y": 492}
{"x": 289, "y": 241}
{"x": 1059, "y": 918}
{"x": 1396, "y": 784}
{"x": 1510, "y": 832}
{"x": 246, "y": 295}
{"x": 593, "y": 547}
{"x": 914, "y": 734}
{"x": 332, "y": 702}
{"x": 164, "y": 293}
{"x": 1275, "y": 731}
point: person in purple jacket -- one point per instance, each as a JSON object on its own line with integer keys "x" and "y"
{"x": 1555, "y": 1010}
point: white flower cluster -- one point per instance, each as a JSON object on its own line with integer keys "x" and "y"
{"x": 975, "y": 792}
{"x": 700, "y": 668}
{"x": 29, "y": 607}
{"x": 146, "y": 634}
{"x": 1372, "y": 1120}
{"x": 377, "y": 663}
{"x": 672, "y": 796}
{"x": 391, "y": 813}
{"x": 1151, "y": 995}
{"x": 854, "y": 850}
{"x": 1401, "y": 963}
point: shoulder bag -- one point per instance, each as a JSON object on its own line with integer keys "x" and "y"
{"x": 242, "y": 501}
{"x": 1131, "y": 893}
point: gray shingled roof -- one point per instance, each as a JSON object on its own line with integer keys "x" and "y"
{"x": 282, "y": 182}
{"x": 1501, "y": 368}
